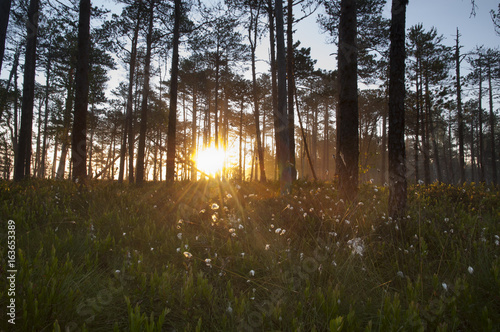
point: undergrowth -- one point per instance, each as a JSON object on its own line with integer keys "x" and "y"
{"x": 229, "y": 256}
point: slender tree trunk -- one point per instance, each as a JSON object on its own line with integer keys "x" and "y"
{"x": 23, "y": 158}
{"x": 383, "y": 154}
{"x": 216, "y": 99}
{"x": 240, "y": 168}
{"x": 417, "y": 130}
{"x": 397, "y": 154}
{"x": 281, "y": 116}
{"x": 123, "y": 149}
{"x": 46, "y": 115}
{"x": 66, "y": 139}
{"x": 91, "y": 145}
{"x": 291, "y": 88}
{"x": 79, "y": 137}
{"x": 145, "y": 95}
{"x": 461, "y": 154}
{"x": 128, "y": 126}
{"x": 492, "y": 127}
{"x": 172, "y": 115}
{"x": 480, "y": 125}
{"x": 252, "y": 37}
{"x": 326, "y": 137}
{"x": 54, "y": 158}
{"x": 193, "y": 134}
{"x": 347, "y": 116}
{"x": 426, "y": 133}
{"x": 274, "y": 86}
{"x": 4, "y": 21}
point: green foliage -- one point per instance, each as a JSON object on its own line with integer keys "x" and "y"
{"x": 239, "y": 256}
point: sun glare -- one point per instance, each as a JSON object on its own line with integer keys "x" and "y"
{"x": 210, "y": 161}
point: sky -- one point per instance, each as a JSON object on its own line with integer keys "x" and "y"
{"x": 445, "y": 15}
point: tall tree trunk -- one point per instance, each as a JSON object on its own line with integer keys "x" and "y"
{"x": 23, "y": 158}
{"x": 461, "y": 154}
{"x": 383, "y": 154}
{"x": 4, "y": 21}
{"x": 91, "y": 145}
{"x": 397, "y": 155}
{"x": 281, "y": 116}
{"x": 291, "y": 89}
{"x": 252, "y": 37}
{"x": 240, "y": 165}
{"x": 128, "y": 135}
{"x": 417, "y": 128}
{"x": 492, "y": 127}
{"x": 79, "y": 137}
{"x": 66, "y": 124}
{"x": 46, "y": 106}
{"x": 216, "y": 99}
{"x": 347, "y": 116}
{"x": 193, "y": 134}
{"x": 145, "y": 95}
{"x": 274, "y": 86}
{"x": 480, "y": 125}
{"x": 326, "y": 138}
{"x": 426, "y": 132}
{"x": 54, "y": 158}
{"x": 36, "y": 171}
{"x": 172, "y": 115}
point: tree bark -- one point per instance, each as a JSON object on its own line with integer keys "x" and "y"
{"x": 128, "y": 125}
{"x": 4, "y": 21}
{"x": 461, "y": 154}
{"x": 397, "y": 157}
{"x": 252, "y": 37}
{"x": 291, "y": 89}
{"x": 145, "y": 95}
{"x": 79, "y": 136}
{"x": 494, "y": 179}
{"x": 347, "y": 116}
{"x": 172, "y": 115}
{"x": 281, "y": 116}
{"x": 23, "y": 158}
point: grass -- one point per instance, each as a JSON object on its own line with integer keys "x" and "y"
{"x": 228, "y": 256}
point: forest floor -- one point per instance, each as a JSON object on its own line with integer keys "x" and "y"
{"x": 230, "y": 256}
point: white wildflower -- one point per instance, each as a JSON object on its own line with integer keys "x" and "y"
{"x": 267, "y": 247}
{"x": 187, "y": 254}
{"x": 356, "y": 245}
{"x": 470, "y": 269}
{"x": 215, "y": 206}
{"x": 445, "y": 286}
{"x": 179, "y": 236}
{"x": 251, "y": 273}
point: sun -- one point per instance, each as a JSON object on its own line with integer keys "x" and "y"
{"x": 210, "y": 161}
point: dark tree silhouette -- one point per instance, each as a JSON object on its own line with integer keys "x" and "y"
{"x": 79, "y": 137}
{"x": 281, "y": 116}
{"x": 145, "y": 94}
{"x": 397, "y": 167}
{"x": 23, "y": 159}
{"x": 347, "y": 116}
{"x": 4, "y": 21}
{"x": 172, "y": 112}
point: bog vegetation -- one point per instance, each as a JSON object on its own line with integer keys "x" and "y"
{"x": 236, "y": 256}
